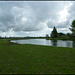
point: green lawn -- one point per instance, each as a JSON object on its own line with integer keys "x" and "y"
{"x": 35, "y": 59}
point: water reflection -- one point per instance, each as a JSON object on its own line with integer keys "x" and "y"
{"x": 69, "y": 43}
{"x": 73, "y": 44}
{"x": 57, "y": 43}
{"x": 54, "y": 42}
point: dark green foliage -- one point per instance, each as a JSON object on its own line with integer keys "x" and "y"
{"x": 59, "y": 35}
{"x": 47, "y": 36}
{"x": 54, "y": 33}
{"x": 68, "y": 35}
{"x": 73, "y": 28}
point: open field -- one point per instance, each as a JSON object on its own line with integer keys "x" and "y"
{"x": 35, "y": 59}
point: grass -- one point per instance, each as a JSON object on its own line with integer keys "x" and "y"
{"x": 35, "y": 59}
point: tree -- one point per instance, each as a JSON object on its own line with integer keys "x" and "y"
{"x": 59, "y": 35}
{"x": 68, "y": 35}
{"x": 73, "y": 28}
{"x": 54, "y": 33}
{"x": 47, "y": 36}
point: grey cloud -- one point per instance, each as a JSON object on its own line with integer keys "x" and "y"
{"x": 29, "y": 16}
{"x": 65, "y": 24}
{"x": 72, "y": 12}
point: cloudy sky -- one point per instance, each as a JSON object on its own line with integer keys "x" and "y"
{"x": 35, "y": 18}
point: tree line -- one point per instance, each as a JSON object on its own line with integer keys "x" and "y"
{"x": 55, "y": 34}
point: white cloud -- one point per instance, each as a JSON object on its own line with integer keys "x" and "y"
{"x": 38, "y": 17}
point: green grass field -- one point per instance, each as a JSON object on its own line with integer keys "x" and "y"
{"x": 35, "y": 59}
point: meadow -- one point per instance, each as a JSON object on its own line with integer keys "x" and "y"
{"x": 35, "y": 59}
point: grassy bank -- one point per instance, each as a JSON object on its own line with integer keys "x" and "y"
{"x": 73, "y": 39}
{"x": 35, "y": 59}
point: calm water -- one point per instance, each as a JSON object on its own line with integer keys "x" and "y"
{"x": 57, "y": 43}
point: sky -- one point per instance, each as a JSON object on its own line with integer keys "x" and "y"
{"x": 35, "y": 18}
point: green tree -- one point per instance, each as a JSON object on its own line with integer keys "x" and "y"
{"x": 68, "y": 35}
{"x": 59, "y": 35}
{"x": 73, "y": 28}
{"x": 47, "y": 36}
{"x": 54, "y": 33}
